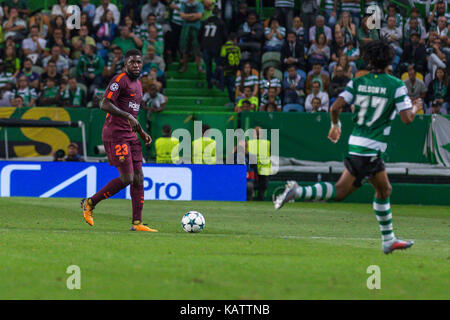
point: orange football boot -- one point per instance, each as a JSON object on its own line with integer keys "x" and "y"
{"x": 88, "y": 207}
{"x": 141, "y": 227}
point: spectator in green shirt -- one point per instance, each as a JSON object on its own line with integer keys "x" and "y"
{"x": 51, "y": 95}
{"x": 73, "y": 95}
{"x": 208, "y": 6}
{"x": 191, "y": 12}
{"x": 366, "y": 35}
{"x": 11, "y": 62}
{"x": 154, "y": 41}
{"x": 90, "y": 68}
{"x": 127, "y": 40}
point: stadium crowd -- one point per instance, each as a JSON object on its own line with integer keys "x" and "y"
{"x": 296, "y": 60}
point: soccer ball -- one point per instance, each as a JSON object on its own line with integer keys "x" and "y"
{"x": 193, "y": 221}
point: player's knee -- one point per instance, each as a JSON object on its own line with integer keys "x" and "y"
{"x": 138, "y": 180}
{"x": 384, "y": 192}
{"x": 126, "y": 179}
{"x": 341, "y": 192}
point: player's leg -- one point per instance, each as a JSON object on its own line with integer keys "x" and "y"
{"x": 118, "y": 156}
{"x": 319, "y": 191}
{"x": 137, "y": 189}
{"x": 383, "y": 213}
{"x": 137, "y": 200}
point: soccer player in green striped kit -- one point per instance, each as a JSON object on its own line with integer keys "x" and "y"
{"x": 377, "y": 97}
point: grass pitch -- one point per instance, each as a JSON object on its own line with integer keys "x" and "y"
{"x": 247, "y": 251}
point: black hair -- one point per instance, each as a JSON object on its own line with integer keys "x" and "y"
{"x": 166, "y": 128}
{"x": 291, "y": 32}
{"x": 274, "y": 18}
{"x": 133, "y": 52}
{"x": 378, "y": 54}
{"x": 232, "y": 36}
{"x": 252, "y": 13}
{"x": 392, "y": 6}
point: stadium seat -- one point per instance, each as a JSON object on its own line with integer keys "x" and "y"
{"x": 271, "y": 59}
{"x": 418, "y": 76}
{"x": 293, "y": 107}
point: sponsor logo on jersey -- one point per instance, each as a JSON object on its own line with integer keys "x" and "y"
{"x": 133, "y": 105}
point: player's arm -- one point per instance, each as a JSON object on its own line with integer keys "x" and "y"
{"x": 346, "y": 97}
{"x": 335, "y": 131}
{"x": 407, "y": 116}
{"x": 107, "y": 106}
{"x": 404, "y": 106}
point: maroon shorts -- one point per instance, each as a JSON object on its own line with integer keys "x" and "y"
{"x": 124, "y": 155}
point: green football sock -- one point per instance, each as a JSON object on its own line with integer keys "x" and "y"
{"x": 319, "y": 191}
{"x": 383, "y": 213}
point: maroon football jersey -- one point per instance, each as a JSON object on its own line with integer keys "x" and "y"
{"x": 126, "y": 95}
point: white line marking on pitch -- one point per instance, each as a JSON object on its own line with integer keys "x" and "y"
{"x": 213, "y": 235}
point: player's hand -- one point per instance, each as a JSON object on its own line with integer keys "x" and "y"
{"x": 146, "y": 137}
{"x": 134, "y": 124}
{"x": 417, "y": 105}
{"x": 334, "y": 134}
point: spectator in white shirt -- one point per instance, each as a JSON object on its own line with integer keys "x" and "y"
{"x": 316, "y": 93}
{"x": 14, "y": 26}
{"x": 320, "y": 25}
{"x": 60, "y": 9}
{"x": 393, "y": 34}
{"x": 155, "y": 7}
{"x": 105, "y": 5}
{"x": 274, "y": 36}
{"x": 34, "y": 46}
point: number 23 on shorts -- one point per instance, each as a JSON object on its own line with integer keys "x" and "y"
{"x": 121, "y": 149}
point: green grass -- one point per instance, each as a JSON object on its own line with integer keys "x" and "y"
{"x": 247, "y": 251}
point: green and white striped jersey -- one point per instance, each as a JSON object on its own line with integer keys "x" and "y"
{"x": 376, "y": 98}
{"x": 176, "y": 13}
{"x": 284, "y": 3}
{"x": 354, "y": 6}
{"x": 328, "y": 5}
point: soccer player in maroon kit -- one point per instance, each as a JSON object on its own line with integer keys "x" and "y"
{"x": 122, "y": 101}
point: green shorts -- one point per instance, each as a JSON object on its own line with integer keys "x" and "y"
{"x": 188, "y": 40}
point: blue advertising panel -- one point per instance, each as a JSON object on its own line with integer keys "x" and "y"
{"x": 161, "y": 182}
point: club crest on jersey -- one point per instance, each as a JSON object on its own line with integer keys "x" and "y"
{"x": 133, "y": 105}
{"x": 114, "y": 86}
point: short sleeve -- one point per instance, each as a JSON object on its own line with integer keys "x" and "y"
{"x": 114, "y": 87}
{"x": 200, "y": 8}
{"x": 349, "y": 93}
{"x": 401, "y": 99}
